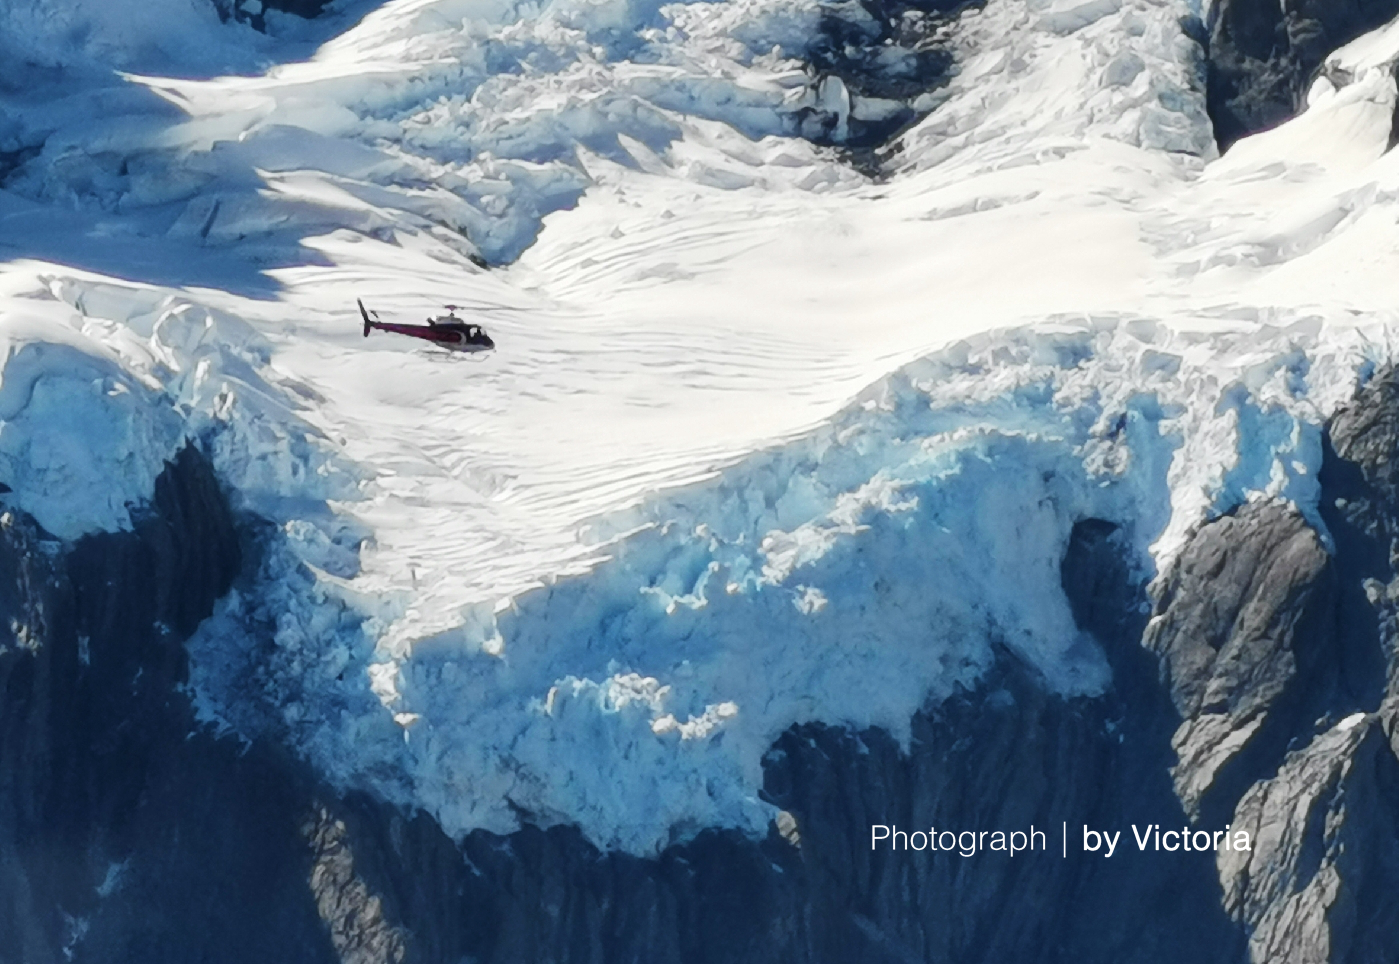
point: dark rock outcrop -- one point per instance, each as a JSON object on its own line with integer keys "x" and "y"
{"x": 256, "y": 13}
{"x": 873, "y": 59}
{"x": 1238, "y": 623}
{"x": 1279, "y": 657}
{"x": 1394, "y": 124}
{"x": 125, "y": 834}
{"x": 1318, "y": 884}
{"x": 1264, "y": 55}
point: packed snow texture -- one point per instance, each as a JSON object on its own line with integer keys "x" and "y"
{"x": 765, "y": 441}
{"x": 846, "y": 577}
{"x": 477, "y": 118}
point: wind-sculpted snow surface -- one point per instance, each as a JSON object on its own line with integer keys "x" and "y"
{"x": 465, "y": 120}
{"x": 847, "y": 578}
{"x": 591, "y": 577}
{"x": 472, "y": 121}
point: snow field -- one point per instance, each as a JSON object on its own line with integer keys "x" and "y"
{"x": 765, "y": 442}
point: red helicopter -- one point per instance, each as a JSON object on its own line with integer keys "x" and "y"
{"x": 446, "y": 331}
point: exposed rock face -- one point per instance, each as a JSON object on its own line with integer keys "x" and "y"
{"x": 255, "y": 12}
{"x": 1234, "y": 623}
{"x": 1319, "y": 883}
{"x": 1279, "y": 657}
{"x": 1264, "y": 55}
{"x": 123, "y": 837}
{"x": 1258, "y": 689}
{"x": 302, "y": 8}
{"x": 874, "y": 58}
{"x": 1394, "y": 124}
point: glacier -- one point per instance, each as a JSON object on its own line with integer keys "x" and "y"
{"x": 781, "y": 430}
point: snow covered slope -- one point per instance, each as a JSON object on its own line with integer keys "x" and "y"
{"x": 773, "y": 433}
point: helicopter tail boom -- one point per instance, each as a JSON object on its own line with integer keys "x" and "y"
{"x": 365, "y": 314}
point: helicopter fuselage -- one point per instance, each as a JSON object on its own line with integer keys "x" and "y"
{"x": 448, "y": 332}
{"x": 455, "y": 336}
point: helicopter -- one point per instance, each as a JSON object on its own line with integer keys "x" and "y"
{"x": 446, "y": 331}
